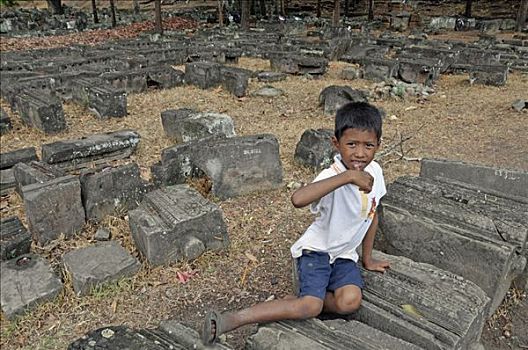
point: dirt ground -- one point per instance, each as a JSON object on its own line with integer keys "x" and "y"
{"x": 459, "y": 122}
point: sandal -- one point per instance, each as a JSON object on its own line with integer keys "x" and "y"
{"x": 208, "y": 336}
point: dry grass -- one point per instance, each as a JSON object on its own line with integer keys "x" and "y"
{"x": 474, "y": 124}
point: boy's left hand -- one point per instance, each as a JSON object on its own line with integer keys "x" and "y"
{"x": 376, "y": 265}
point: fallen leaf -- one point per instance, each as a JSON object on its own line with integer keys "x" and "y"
{"x": 411, "y": 310}
{"x": 251, "y": 257}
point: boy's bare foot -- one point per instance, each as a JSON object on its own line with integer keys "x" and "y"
{"x": 212, "y": 328}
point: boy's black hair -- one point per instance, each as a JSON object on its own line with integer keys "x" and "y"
{"x": 358, "y": 115}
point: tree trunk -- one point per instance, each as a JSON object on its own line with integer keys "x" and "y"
{"x": 284, "y": 5}
{"x": 55, "y": 6}
{"x": 318, "y": 8}
{"x": 263, "y": 13}
{"x": 335, "y": 17}
{"x": 467, "y": 13}
{"x": 112, "y": 10}
{"x": 522, "y": 15}
{"x": 94, "y": 11}
{"x": 136, "y": 7}
{"x": 347, "y": 9}
{"x": 157, "y": 16}
{"x": 370, "y": 10}
{"x": 244, "y": 14}
{"x": 221, "y": 12}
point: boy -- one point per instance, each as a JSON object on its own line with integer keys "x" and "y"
{"x": 345, "y": 197}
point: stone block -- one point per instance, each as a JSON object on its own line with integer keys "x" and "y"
{"x": 296, "y": 64}
{"x": 54, "y": 208}
{"x": 41, "y": 111}
{"x": 22, "y": 155}
{"x": 26, "y": 281}
{"x": 508, "y": 183}
{"x": 271, "y": 77}
{"x": 400, "y": 21}
{"x": 185, "y": 125}
{"x": 100, "y": 97}
{"x": 169, "y": 335}
{"x": 351, "y": 73}
{"x": 423, "y": 305}
{"x": 187, "y": 337}
{"x": 134, "y": 81}
{"x": 488, "y": 75}
{"x": 171, "y": 119}
{"x": 205, "y": 75}
{"x": 379, "y": 69}
{"x": 7, "y": 181}
{"x": 90, "y": 150}
{"x": 324, "y": 335}
{"x": 463, "y": 251}
{"x": 168, "y": 222}
{"x": 101, "y": 263}
{"x": 236, "y": 165}
{"x": 5, "y": 122}
{"x": 315, "y": 149}
{"x": 421, "y": 72}
{"x": 164, "y": 76}
{"x": 34, "y": 172}
{"x": 111, "y": 190}
{"x": 334, "y": 97}
{"x": 357, "y": 52}
{"x": 15, "y": 240}
{"x": 235, "y": 80}
{"x": 447, "y": 57}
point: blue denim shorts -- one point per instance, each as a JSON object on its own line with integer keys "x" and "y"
{"x": 317, "y": 276}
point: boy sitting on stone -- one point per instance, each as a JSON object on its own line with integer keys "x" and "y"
{"x": 345, "y": 197}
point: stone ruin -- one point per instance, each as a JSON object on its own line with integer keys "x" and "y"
{"x": 460, "y": 205}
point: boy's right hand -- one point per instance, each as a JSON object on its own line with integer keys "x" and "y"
{"x": 362, "y": 179}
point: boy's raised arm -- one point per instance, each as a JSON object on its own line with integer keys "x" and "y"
{"x": 317, "y": 190}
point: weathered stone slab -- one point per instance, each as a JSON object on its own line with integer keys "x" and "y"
{"x": 54, "y": 208}
{"x": 15, "y": 240}
{"x": 187, "y": 337}
{"x": 185, "y": 125}
{"x": 235, "y": 80}
{"x": 488, "y": 75}
{"x": 316, "y": 334}
{"x": 203, "y": 74}
{"x": 421, "y": 72}
{"x": 7, "y": 181}
{"x": 512, "y": 184}
{"x": 378, "y": 69}
{"x": 111, "y": 190}
{"x": 236, "y": 165}
{"x": 296, "y": 64}
{"x": 462, "y": 251}
{"x": 351, "y": 73}
{"x": 22, "y": 155}
{"x": 169, "y": 335}
{"x": 5, "y": 122}
{"x": 334, "y": 97}
{"x": 491, "y": 217}
{"x": 164, "y": 76}
{"x": 176, "y": 223}
{"x": 101, "y": 263}
{"x": 40, "y": 110}
{"x": 96, "y": 148}
{"x": 123, "y": 337}
{"x": 271, "y": 77}
{"x": 26, "y": 282}
{"x": 33, "y": 172}
{"x": 423, "y": 305}
{"x": 100, "y": 97}
{"x": 315, "y": 149}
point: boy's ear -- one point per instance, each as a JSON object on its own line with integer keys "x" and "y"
{"x": 335, "y": 142}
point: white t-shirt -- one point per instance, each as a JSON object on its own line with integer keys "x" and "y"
{"x": 344, "y": 215}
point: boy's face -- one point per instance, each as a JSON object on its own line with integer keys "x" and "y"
{"x": 357, "y": 147}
